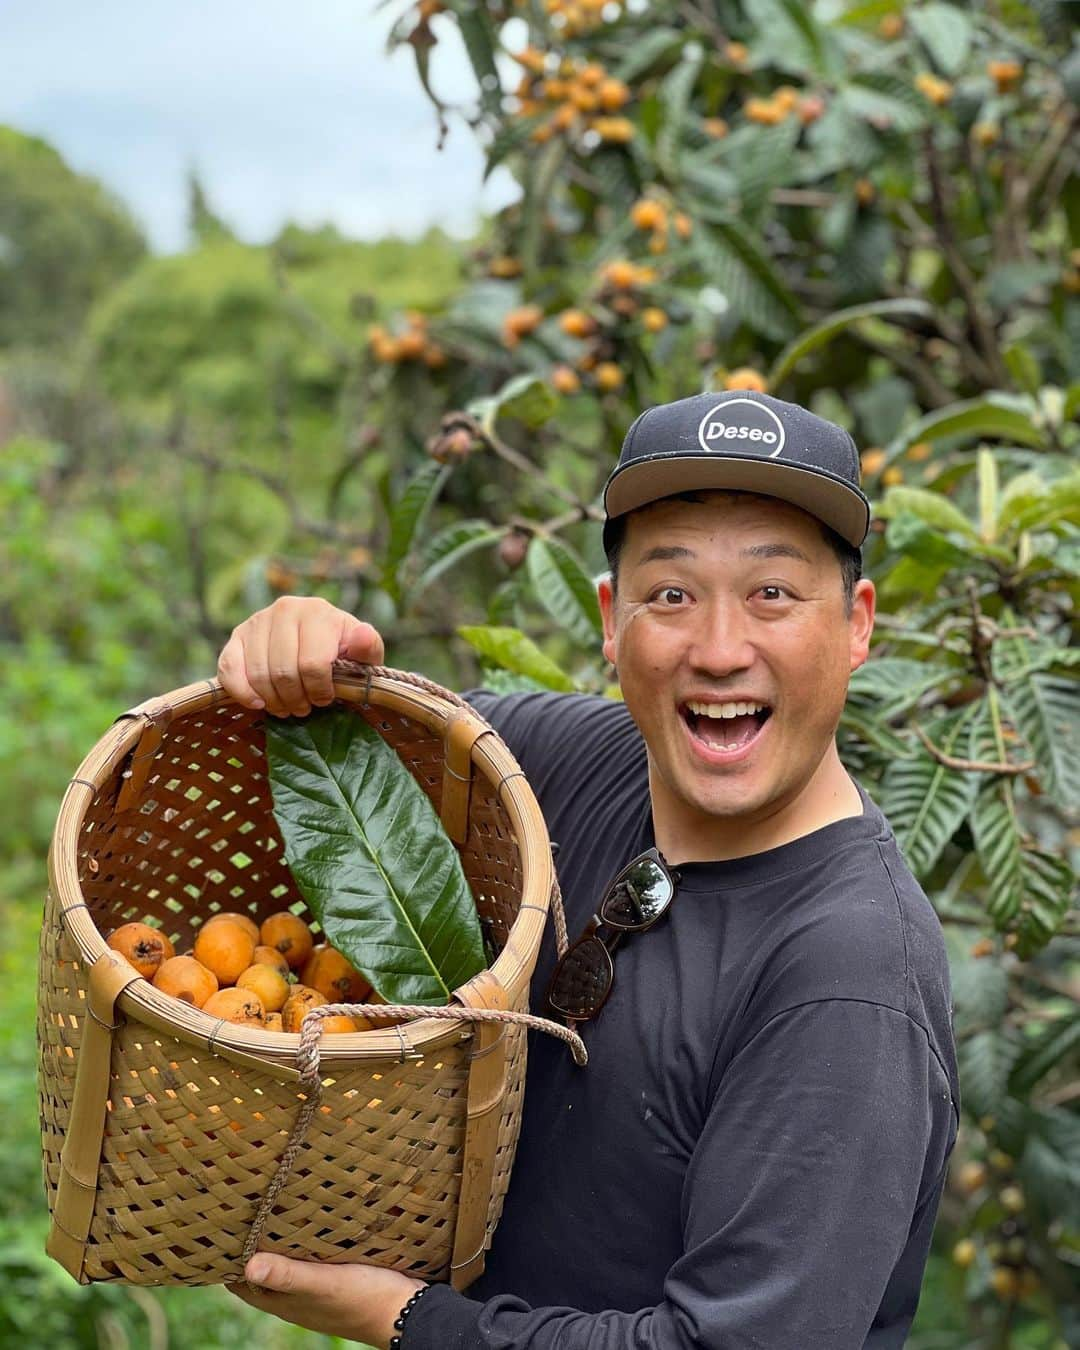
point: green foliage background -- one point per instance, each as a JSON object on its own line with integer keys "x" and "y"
{"x": 872, "y": 208}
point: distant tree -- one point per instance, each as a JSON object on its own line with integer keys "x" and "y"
{"x": 205, "y": 226}
{"x": 64, "y": 242}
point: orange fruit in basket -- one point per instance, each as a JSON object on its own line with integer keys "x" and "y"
{"x": 185, "y": 978}
{"x": 341, "y": 1025}
{"x": 141, "y": 946}
{"x": 234, "y": 916}
{"x": 268, "y": 985}
{"x": 299, "y": 1001}
{"x": 290, "y": 935}
{"x": 272, "y": 1022}
{"x": 225, "y": 948}
{"x": 336, "y": 978}
{"x": 270, "y": 956}
{"x": 236, "y": 1005}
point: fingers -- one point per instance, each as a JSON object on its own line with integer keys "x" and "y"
{"x": 281, "y": 657}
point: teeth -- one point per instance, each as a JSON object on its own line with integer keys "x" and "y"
{"x": 719, "y": 710}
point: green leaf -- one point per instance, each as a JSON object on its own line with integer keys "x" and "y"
{"x": 526, "y": 398}
{"x": 998, "y": 415}
{"x": 894, "y": 683}
{"x": 513, "y": 651}
{"x": 1022, "y": 492}
{"x": 824, "y": 332}
{"x": 1054, "y": 1043}
{"x": 408, "y": 516}
{"x": 1026, "y": 888}
{"x": 980, "y": 991}
{"x": 647, "y": 51}
{"x": 760, "y": 159}
{"x": 481, "y": 41}
{"x": 926, "y": 803}
{"x": 1059, "y": 501}
{"x": 935, "y": 510}
{"x": 985, "y": 1062}
{"x": 945, "y": 31}
{"x": 675, "y": 92}
{"x": 1048, "y": 1169}
{"x": 873, "y": 96}
{"x": 1046, "y": 710}
{"x": 987, "y": 477}
{"x": 564, "y": 588}
{"x": 790, "y": 37}
{"x": 371, "y": 858}
{"x": 449, "y": 547}
{"x": 734, "y": 262}
{"x": 872, "y": 731}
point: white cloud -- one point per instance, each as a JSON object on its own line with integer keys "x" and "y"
{"x": 287, "y": 112}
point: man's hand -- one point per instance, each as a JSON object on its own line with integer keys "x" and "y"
{"x": 359, "y": 1303}
{"x": 280, "y": 658}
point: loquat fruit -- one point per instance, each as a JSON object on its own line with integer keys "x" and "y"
{"x": 185, "y": 978}
{"x": 964, "y": 1253}
{"x": 504, "y": 266}
{"x": 615, "y": 130}
{"x": 1005, "y": 74}
{"x": 290, "y": 935}
{"x": 620, "y": 274}
{"x": 564, "y": 380}
{"x": 919, "y": 451}
{"x": 892, "y": 476}
{"x": 715, "y": 127}
{"x": 300, "y": 999}
{"x": 612, "y": 95}
{"x": 334, "y": 976}
{"x": 234, "y": 916}
{"x": 891, "y": 26}
{"x": 684, "y": 226}
{"x": 747, "y": 378}
{"x": 810, "y": 109}
{"x": 654, "y": 319}
{"x": 872, "y": 460}
{"x": 272, "y": 1022}
{"x": 270, "y": 956}
{"x": 141, "y": 946}
{"x": 522, "y": 321}
{"x": 608, "y": 376}
{"x": 225, "y": 949}
{"x": 268, "y": 985}
{"x": 736, "y": 52}
{"x": 938, "y": 91}
{"x": 576, "y": 323}
{"x": 236, "y": 1005}
{"x": 648, "y": 214}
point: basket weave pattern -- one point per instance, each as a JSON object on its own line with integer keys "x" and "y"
{"x": 197, "y": 1111}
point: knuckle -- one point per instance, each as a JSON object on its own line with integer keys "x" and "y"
{"x": 287, "y": 676}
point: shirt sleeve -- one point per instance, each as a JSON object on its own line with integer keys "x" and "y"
{"x": 822, "y": 1154}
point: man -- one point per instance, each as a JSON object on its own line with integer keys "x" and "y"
{"x": 755, "y": 1153}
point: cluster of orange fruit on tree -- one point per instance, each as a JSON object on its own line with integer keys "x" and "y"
{"x": 263, "y": 975}
{"x": 572, "y": 96}
{"x": 653, "y": 216}
{"x": 573, "y": 17}
{"x": 783, "y": 103}
{"x": 413, "y": 343}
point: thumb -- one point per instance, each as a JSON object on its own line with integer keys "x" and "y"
{"x": 358, "y": 641}
{"x": 282, "y": 1275}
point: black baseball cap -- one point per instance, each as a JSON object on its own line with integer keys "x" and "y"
{"x": 740, "y": 439}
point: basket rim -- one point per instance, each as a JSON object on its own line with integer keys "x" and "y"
{"x": 276, "y": 1052}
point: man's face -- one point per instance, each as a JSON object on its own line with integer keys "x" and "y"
{"x": 733, "y": 600}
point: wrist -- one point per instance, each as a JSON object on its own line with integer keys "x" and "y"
{"x": 419, "y": 1289}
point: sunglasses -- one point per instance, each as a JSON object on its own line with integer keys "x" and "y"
{"x": 638, "y": 897}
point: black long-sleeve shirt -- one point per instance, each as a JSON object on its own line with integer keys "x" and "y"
{"x": 754, "y": 1155}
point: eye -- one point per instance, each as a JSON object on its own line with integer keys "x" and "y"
{"x": 671, "y": 596}
{"x": 772, "y": 592}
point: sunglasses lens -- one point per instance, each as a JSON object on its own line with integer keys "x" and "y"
{"x": 638, "y": 896}
{"x": 581, "y": 979}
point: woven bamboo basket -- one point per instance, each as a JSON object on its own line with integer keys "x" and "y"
{"x": 175, "y": 1143}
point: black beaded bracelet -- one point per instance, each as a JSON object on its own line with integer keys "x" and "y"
{"x": 399, "y": 1321}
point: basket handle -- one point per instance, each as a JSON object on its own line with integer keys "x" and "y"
{"x": 480, "y": 1106}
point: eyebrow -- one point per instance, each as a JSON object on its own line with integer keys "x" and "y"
{"x": 673, "y": 552}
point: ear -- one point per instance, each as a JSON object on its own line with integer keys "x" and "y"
{"x": 605, "y": 594}
{"x": 861, "y": 623}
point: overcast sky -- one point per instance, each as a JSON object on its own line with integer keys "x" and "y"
{"x": 286, "y": 111}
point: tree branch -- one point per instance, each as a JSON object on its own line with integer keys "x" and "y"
{"x": 970, "y": 765}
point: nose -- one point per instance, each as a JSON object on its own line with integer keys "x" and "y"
{"x": 721, "y": 643}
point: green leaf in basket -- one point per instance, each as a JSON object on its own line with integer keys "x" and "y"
{"x": 371, "y": 858}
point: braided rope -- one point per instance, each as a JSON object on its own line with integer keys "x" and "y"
{"x": 307, "y": 1061}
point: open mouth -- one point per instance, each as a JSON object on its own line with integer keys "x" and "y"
{"x": 725, "y": 726}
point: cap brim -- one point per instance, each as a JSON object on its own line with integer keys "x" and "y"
{"x": 839, "y": 505}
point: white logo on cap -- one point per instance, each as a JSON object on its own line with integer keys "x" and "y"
{"x": 752, "y": 425}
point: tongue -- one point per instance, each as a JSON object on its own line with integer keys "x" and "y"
{"x": 723, "y": 731}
